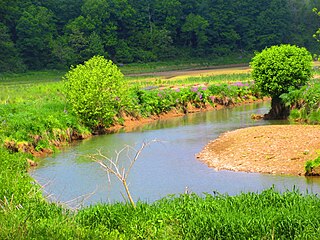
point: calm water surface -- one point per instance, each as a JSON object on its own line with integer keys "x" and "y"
{"x": 166, "y": 167}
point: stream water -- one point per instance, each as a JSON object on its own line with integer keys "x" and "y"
{"x": 165, "y": 167}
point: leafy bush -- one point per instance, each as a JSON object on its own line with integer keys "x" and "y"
{"x": 278, "y": 68}
{"x": 311, "y": 165}
{"x": 95, "y": 90}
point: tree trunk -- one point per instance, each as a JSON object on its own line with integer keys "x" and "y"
{"x": 278, "y": 110}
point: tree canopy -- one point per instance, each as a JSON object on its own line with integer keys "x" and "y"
{"x": 58, "y": 33}
{"x": 278, "y": 69}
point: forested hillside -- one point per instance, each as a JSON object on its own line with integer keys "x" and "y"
{"x": 38, "y": 34}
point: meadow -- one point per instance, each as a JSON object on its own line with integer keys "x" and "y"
{"x": 34, "y": 116}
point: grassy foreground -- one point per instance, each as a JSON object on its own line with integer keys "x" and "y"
{"x": 24, "y": 214}
{"x": 34, "y": 116}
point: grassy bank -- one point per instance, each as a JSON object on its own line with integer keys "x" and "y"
{"x": 35, "y": 117}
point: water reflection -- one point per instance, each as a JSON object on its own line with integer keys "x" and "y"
{"x": 163, "y": 168}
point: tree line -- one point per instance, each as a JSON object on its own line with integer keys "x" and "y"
{"x": 38, "y": 34}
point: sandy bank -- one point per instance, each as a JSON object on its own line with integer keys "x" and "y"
{"x": 275, "y": 149}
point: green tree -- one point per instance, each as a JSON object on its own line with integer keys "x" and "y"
{"x": 152, "y": 45}
{"x": 111, "y": 19}
{"x": 316, "y": 35}
{"x": 167, "y": 15}
{"x": 96, "y": 91}
{"x": 272, "y": 24}
{"x": 195, "y": 27}
{"x": 279, "y": 69}
{"x": 63, "y": 55}
{"x": 9, "y": 58}
{"x": 64, "y": 11}
{"x": 151, "y": 30}
{"x": 35, "y": 32}
{"x": 221, "y": 33}
{"x": 246, "y": 24}
{"x": 77, "y": 34}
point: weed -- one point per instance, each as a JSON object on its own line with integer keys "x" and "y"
{"x": 304, "y": 103}
{"x": 311, "y": 165}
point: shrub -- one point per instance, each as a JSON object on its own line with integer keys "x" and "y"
{"x": 304, "y": 103}
{"x": 96, "y": 91}
{"x": 311, "y": 165}
{"x": 279, "y": 68}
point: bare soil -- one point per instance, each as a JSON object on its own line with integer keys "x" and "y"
{"x": 273, "y": 149}
{"x": 206, "y": 71}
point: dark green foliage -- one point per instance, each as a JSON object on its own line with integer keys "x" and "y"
{"x": 57, "y": 34}
{"x": 317, "y": 33}
{"x": 35, "y": 32}
{"x": 10, "y": 60}
{"x": 96, "y": 91}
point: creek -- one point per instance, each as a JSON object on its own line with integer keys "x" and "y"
{"x": 165, "y": 167}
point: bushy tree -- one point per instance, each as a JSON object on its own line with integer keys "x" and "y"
{"x": 96, "y": 91}
{"x": 278, "y": 69}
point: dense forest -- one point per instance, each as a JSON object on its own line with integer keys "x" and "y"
{"x": 38, "y": 34}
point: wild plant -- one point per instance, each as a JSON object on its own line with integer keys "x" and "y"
{"x": 311, "y": 165}
{"x": 118, "y": 167}
{"x": 304, "y": 102}
{"x": 95, "y": 91}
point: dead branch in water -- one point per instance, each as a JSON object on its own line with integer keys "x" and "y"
{"x": 113, "y": 166}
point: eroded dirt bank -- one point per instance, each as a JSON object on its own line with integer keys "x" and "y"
{"x": 275, "y": 149}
